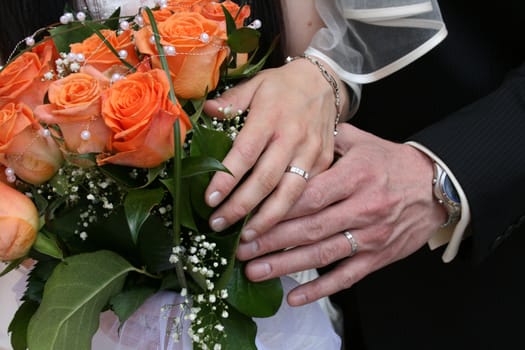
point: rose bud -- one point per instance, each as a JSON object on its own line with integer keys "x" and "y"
{"x": 19, "y": 223}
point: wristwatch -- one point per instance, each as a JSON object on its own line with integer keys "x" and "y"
{"x": 446, "y": 194}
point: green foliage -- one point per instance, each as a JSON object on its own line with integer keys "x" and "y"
{"x": 94, "y": 255}
{"x": 74, "y": 32}
{"x": 244, "y": 40}
{"x": 256, "y": 299}
{"x": 75, "y": 294}
{"x": 138, "y": 205}
{"x": 240, "y": 331}
{"x": 127, "y": 302}
{"x": 48, "y": 245}
{"x": 18, "y": 326}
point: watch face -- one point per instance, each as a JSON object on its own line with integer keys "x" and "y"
{"x": 450, "y": 190}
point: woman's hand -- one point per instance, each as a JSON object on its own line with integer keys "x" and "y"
{"x": 290, "y": 123}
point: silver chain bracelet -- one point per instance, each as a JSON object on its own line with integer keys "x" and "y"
{"x": 329, "y": 78}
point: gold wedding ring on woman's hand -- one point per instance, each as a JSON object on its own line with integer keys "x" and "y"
{"x": 298, "y": 171}
{"x": 353, "y": 243}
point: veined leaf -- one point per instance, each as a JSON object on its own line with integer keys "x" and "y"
{"x": 186, "y": 213}
{"x": 47, "y": 245}
{"x": 74, "y": 296}
{"x": 75, "y": 32}
{"x": 255, "y": 299}
{"x": 244, "y": 40}
{"x": 138, "y": 205}
{"x": 12, "y": 265}
{"x": 240, "y": 331}
{"x": 126, "y": 303}
{"x": 192, "y": 166}
{"x": 18, "y": 326}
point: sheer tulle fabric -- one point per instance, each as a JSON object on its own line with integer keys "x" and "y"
{"x": 366, "y": 40}
{"x": 306, "y": 327}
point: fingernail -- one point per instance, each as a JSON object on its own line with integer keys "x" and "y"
{"x": 214, "y": 199}
{"x": 297, "y": 299}
{"x": 218, "y": 224}
{"x": 248, "y": 235}
{"x": 249, "y": 250}
{"x": 260, "y": 270}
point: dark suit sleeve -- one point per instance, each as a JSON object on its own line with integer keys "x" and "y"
{"x": 484, "y": 146}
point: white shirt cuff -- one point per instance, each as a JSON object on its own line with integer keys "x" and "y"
{"x": 453, "y": 235}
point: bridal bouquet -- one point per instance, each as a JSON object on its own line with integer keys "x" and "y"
{"x": 105, "y": 154}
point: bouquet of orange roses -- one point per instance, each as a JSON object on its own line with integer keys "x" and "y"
{"x": 104, "y": 158}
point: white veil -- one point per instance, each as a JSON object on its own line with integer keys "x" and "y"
{"x": 366, "y": 40}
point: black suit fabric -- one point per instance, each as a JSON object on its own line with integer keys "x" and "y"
{"x": 465, "y": 100}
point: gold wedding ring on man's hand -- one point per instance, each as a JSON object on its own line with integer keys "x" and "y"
{"x": 353, "y": 243}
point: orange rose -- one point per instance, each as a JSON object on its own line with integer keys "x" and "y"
{"x": 75, "y": 107}
{"x": 22, "y": 79}
{"x": 199, "y": 52}
{"x": 141, "y": 117}
{"x": 25, "y": 147}
{"x": 98, "y": 54}
{"x": 213, "y": 10}
{"x": 18, "y": 223}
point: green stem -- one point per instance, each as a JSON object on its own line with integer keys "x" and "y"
{"x": 179, "y": 268}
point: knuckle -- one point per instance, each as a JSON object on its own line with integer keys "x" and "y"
{"x": 315, "y": 198}
{"x": 327, "y": 254}
{"x": 313, "y": 229}
{"x": 238, "y": 210}
{"x": 292, "y": 195}
{"x": 266, "y": 181}
{"x": 347, "y": 280}
{"x": 247, "y": 151}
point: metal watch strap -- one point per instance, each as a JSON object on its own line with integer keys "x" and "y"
{"x": 452, "y": 207}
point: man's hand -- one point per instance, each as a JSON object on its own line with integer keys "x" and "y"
{"x": 378, "y": 190}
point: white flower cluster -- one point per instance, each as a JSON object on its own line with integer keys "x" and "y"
{"x": 199, "y": 256}
{"x": 67, "y": 63}
{"x": 232, "y": 124}
{"x": 74, "y": 184}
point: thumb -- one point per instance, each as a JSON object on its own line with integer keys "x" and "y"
{"x": 234, "y": 99}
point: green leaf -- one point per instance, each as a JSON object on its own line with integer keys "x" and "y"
{"x": 113, "y": 21}
{"x": 37, "y": 278}
{"x": 210, "y": 143}
{"x": 75, "y": 294}
{"x": 48, "y": 245}
{"x": 192, "y": 166}
{"x": 18, "y": 326}
{"x": 122, "y": 175}
{"x": 227, "y": 242}
{"x": 155, "y": 244}
{"x": 230, "y": 21}
{"x": 251, "y": 69}
{"x": 127, "y": 302}
{"x": 244, "y": 40}
{"x": 186, "y": 212}
{"x": 240, "y": 331}
{"x": 255, "y": 299}
{"x": 138, "y": 205}
{"x": 12, "y": 265}
{"x": 206, "y": 143}
{"x": 74, "y": 32}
